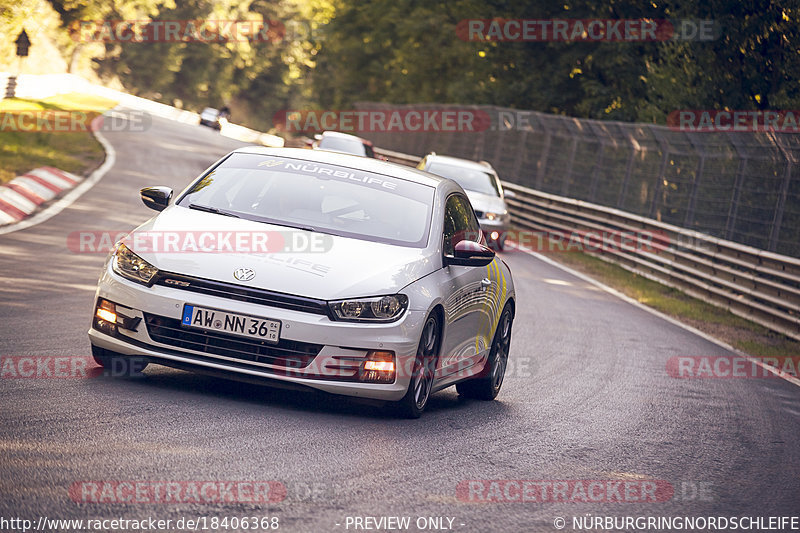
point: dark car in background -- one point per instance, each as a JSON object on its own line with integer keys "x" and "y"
{"x": 214, "y": 118}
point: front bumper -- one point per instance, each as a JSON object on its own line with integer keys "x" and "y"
{"x": 342, "y": 346}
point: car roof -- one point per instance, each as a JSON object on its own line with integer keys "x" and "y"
{"x": 341, "y": 135}
{"x": 355, "y": 162}
{"x": 459, "y": 162}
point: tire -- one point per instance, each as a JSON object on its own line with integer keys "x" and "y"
{"x": 115, "y": 364}
{"x": 488, "y": 384}
{"x": 419, "y": 388}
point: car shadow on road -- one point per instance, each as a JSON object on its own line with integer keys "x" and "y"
{"x": 167, "y": 381}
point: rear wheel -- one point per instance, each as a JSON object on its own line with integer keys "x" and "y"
{"x": 116, "y": 364}
{"x": 487, "y": 385}
{"x": 419, "y": 388}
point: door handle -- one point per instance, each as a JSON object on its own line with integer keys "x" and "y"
{"x": 485, "y": 282}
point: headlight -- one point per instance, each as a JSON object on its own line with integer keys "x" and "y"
{"x": 495, "y": 216}
{"x": 129, "y": 265}
{"x": 378, "y": 309}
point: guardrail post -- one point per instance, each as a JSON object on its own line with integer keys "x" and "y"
{"x": 542, "y": 163}
{"x": 777, "y": 219}
{"x": 733, "y": 208}
{"x": 520, "y": 156}
{"x": 688, "y": 220}
{"x": 623, "y": 190}
{"x": 659, "y": 184}
{"x": 596, "y": 172}
{"x": 568, "y": 171}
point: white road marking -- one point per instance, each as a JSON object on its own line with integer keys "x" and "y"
{"x": 671, "y": 320}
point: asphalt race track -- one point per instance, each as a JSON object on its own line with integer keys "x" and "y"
{"x": 587, "y": 397}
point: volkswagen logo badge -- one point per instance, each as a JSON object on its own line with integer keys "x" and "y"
{"x": 244, "y": 274}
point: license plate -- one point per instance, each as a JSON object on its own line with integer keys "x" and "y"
{"x": 242, "y": 325}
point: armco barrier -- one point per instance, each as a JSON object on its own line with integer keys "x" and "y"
{"x": 755, "y": 284}
{"x": 742, "y": 186}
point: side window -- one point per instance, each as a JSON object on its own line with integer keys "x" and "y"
{"x": 459, "y": 223}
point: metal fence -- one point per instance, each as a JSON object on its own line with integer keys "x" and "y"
{"x": 742, "y": 186}
{"x": 749, "y": 282}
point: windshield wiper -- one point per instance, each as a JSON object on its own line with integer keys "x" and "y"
{"x": 215, "y": 210}
{"x": 293, "y": 226}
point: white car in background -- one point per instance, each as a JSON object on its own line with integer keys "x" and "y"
{"x": 482, "y": 185}
{"x": 403, "y": 300}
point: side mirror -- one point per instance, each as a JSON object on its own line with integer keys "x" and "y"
{"x": 470, "y": 253}
{"x": 509, "y": 194}
{"x": 156, "y": 197}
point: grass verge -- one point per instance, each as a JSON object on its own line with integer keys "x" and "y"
{"x": 724, "y": 325}
{"x": 77, "y": 152}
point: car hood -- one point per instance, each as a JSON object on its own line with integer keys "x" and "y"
{"x": 337, "y": 267}
{"x": 486, "y": 202}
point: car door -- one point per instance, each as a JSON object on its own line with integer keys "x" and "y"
{"x": 465, "y": 306}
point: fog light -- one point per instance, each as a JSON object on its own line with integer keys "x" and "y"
{"x": 105, "y": 314}
{"x": 378, "y": 368}
{"x": 382, "y": 366}
{"x": 105, "y": 317}
{"x": 494, "y": 235}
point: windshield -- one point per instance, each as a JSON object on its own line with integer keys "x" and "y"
{"x": 342, "y": 144}
{"x": 469, "y": 179}
{"x": 318, "y": 197}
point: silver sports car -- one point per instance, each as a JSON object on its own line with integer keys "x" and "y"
{"x": 311, "y": 269}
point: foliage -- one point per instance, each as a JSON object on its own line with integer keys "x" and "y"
{"x": 338, "y": 52}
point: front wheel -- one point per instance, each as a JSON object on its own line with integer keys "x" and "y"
{"x": 419, "y": 388}
{"x": 487, "y": 385}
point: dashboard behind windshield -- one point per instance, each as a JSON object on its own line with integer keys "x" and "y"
{"x": 469, "y": 179}
{"x": 317, "y": 196}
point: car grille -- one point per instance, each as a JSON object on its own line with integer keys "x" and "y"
{"x": 243, "y": 294}
{"x": 479, "y": 214}
{"x": 286, "y": 353}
